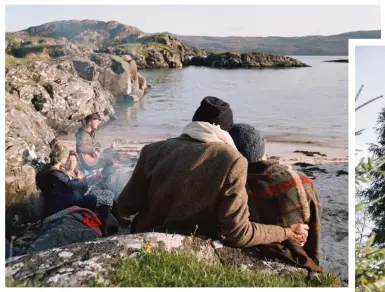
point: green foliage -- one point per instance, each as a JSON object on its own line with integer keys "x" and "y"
{"x": 370, "y": 266}
{"x": 370, "y": 258}
{"x": 169, "y": 269}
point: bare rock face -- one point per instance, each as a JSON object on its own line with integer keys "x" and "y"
{"x": 120, "y": 76}
{"x": 78, "y": 264}
{"x": 68, "y": 89}
{"x": 25, "y": 129}
{"x": 26, "y": 134}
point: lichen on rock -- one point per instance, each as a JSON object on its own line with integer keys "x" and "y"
{"x": 91, "y": 261}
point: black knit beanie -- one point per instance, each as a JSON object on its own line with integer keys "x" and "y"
{"x": 248, "y": 141}
{"x": 215, "y": 111}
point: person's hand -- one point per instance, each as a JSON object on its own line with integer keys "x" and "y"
{"x": 81, "y": 176}
{"x": 298, "y": 232}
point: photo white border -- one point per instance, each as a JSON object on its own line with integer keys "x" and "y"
{"x": 352, "y": 45}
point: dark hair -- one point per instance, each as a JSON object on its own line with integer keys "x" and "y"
{"x": 53, "y": 143}
{"x": 90, "y": 118}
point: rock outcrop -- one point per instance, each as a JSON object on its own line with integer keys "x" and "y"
{"x": 245, "y": 60}
{"x": 84, "y": 31}
{"x": 67, "y": 89}
{"x": 337, "y": 61}
{"x": 48, "y": 98}
{"x": 79, "y": 264}
{"x": 158, "y": 51}
{"x": 26, "y": 133}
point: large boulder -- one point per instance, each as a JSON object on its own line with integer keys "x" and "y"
{"x": 77, "y": 264}
{"x": 68, "y": 89}
{"x": 120, "y": 76}
{"x": 26, "y": 135}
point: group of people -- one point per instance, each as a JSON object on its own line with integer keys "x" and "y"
{"x": 64, "y": 184}
{"x": 213, "y": 180}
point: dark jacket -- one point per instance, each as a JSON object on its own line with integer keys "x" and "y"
{"x": 182, "y": 183}
{"x": 60, "y": 192}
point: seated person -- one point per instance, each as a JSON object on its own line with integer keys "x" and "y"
{"x": 196, "y": 184}
{"x": 279, "y": 195}
{"x": 73, "y": 171}
{"x": 61, "y": 192}
{"x": 89, "y": 151}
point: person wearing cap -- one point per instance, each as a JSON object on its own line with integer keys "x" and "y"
{"x": 279, "y": 195}
{"x": 196, "y": 184}
{"x": 86, "y": 143}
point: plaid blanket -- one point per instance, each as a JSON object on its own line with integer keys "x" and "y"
{"x": 278, "y": 195}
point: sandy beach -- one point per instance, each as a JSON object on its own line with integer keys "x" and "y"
{"x": 330, "y": 175}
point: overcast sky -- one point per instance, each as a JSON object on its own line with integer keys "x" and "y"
{"x": 224, "y": 20}
{"x": 370, "y": 71}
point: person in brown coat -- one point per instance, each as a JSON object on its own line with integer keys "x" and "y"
{"x": 279, "y": 195}
{"x": 195, "y": 184}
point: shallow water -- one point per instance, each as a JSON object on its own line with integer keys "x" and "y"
{"x": 289, "y": 105}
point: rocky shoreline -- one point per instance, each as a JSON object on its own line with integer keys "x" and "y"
{"x": 59, "y": 72}
{"x": 159, "y": 50}
{"x": 245, "y": 60}
{"x": 45, "y": 99}
{"x": 55, "y": 82}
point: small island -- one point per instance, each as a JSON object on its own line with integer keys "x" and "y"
{"x": 338, "y": 61}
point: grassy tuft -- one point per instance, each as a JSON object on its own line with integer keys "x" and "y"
{"x": 169, "y": 269}
{"x": 9, "y": 282}
{"x": 12, "y": 61}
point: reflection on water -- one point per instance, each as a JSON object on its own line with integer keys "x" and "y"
{"x": 301, "y": 104}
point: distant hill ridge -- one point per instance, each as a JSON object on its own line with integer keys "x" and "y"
{"x": 113, "y": 32}
{"x": 333, "y": 45}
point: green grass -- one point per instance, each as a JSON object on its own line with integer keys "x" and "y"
{"x": 170, "y": 269}
{"x": 9, "y": 282}
{"x": 17, "y": 107}
{"x": 165, "y": 269}
{"x": 12, "y": 61}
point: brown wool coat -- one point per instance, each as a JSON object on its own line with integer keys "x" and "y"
{"x": 182, "y": 183}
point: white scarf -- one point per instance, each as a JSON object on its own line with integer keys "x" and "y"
{"x": 206, "y": 132}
